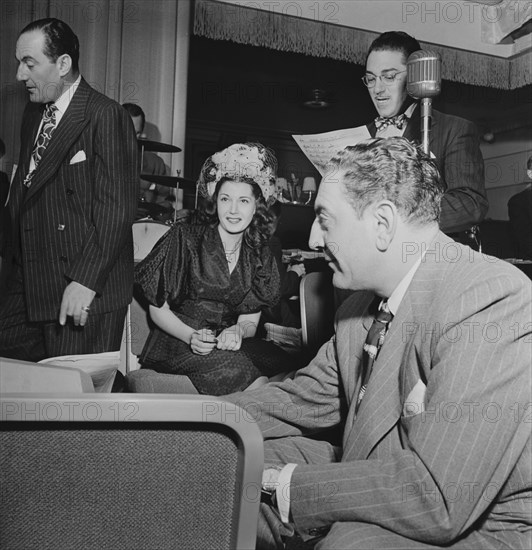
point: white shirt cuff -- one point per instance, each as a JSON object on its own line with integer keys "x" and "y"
{"x": 282, "y": 493}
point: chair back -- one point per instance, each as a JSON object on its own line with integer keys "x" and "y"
{"x": 139, "y": 325}
{"x": 145, "y": 234}
{"x": 106, "y": 471}
{"x": 317, "y": 308}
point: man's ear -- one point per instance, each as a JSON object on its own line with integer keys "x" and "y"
{"x": 385, "y": 223}
{"x": 64, "y": 64}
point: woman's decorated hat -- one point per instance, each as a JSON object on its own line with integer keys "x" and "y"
{"x": 251, "y": 160}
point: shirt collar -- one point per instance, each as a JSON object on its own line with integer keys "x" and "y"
{"x": 65, "y": 98}
{"x": 394, "y": 301}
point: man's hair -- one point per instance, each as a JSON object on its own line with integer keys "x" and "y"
{"x": 395, "y": 41}
{"x": 134, "y": 110}
{"x": 390, "y": 169}
{"x": 59, "y": 39}
{"x": 529, "y": 163}
{"x": 2, "y": 149}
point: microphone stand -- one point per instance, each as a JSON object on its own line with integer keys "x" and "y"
{"x": 426, "y": 122}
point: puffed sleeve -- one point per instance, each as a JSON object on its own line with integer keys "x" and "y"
{"x": 266, "y": 286}
{"x": 162, "y": 275}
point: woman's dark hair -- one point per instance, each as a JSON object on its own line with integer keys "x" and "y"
{"x": 257, "y": 233}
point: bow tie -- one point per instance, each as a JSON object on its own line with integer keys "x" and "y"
{"x": 398, "y": 121}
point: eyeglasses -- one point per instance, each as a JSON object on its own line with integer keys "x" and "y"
{"x": 387, "y": 78}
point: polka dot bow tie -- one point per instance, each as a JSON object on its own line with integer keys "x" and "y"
{"x": 398, "y": 121}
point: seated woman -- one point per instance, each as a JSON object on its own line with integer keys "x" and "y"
{"x": 208, "y": 280}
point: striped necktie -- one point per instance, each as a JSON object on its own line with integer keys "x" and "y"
{"x": 47, "y": 129}
{"x": 374, "y": 341}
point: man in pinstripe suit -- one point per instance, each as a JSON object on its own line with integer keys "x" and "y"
{"x": 454, "y": 141}
{"x": 71, "y": 206}
{"x": 437, "y": 452}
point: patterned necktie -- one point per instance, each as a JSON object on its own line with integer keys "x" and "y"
{"x": 372, "y": 346}
{"x": 47, "y": 129}
{"x": 398, "y": 121}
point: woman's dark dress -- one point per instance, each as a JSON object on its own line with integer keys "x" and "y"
{"x": 188, "y": 269}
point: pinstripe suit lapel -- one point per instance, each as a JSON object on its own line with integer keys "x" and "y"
{"x": 352, "y": 330}
{"x": 413, "y": 128}
{"x": 30, "y": 125}
{"x": 66, "y": 133}
{"x": 351, "y": 335}
{"x": 31, "y": 132}
{"x": 381, "y": 407}
{"x": 383, "y": 401}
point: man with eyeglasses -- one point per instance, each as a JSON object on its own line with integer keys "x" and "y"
{"x": 454, "y": 141}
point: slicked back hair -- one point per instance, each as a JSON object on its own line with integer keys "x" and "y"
{"x": 59, "y": 39}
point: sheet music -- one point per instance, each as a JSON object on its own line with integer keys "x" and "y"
{"x": 321, "y": 148}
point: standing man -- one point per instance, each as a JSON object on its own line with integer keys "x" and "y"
{"x": 428, "y": 377}
{"x": 72, "y": 203}
{"x": 454, "y": 141}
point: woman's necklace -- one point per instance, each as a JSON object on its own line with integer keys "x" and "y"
{"x": 231, "y": 255}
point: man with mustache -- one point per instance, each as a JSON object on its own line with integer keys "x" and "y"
{"x": 454, "y": 141}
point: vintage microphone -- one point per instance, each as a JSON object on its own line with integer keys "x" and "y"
{"x": 423, "y": 81}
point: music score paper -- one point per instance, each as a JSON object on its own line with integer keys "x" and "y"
{"x": 321, "y": 148}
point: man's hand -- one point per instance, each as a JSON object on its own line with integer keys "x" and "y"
{"x": 76, "y": 303}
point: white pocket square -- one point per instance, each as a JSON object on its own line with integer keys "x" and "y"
{"x": 415, "y": 402}
{"x": 80, "y": 156}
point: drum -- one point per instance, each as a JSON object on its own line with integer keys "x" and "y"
{"x": 145, "y": 234}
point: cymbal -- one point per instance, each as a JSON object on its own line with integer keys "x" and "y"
{"x": 169, "y": 181}
{"x": 157, "y": 146}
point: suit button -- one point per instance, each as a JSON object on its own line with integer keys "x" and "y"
{"x": 61, "y": 227}
{"x": 63, "y": 258}
{"x": 69, "y": 191}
